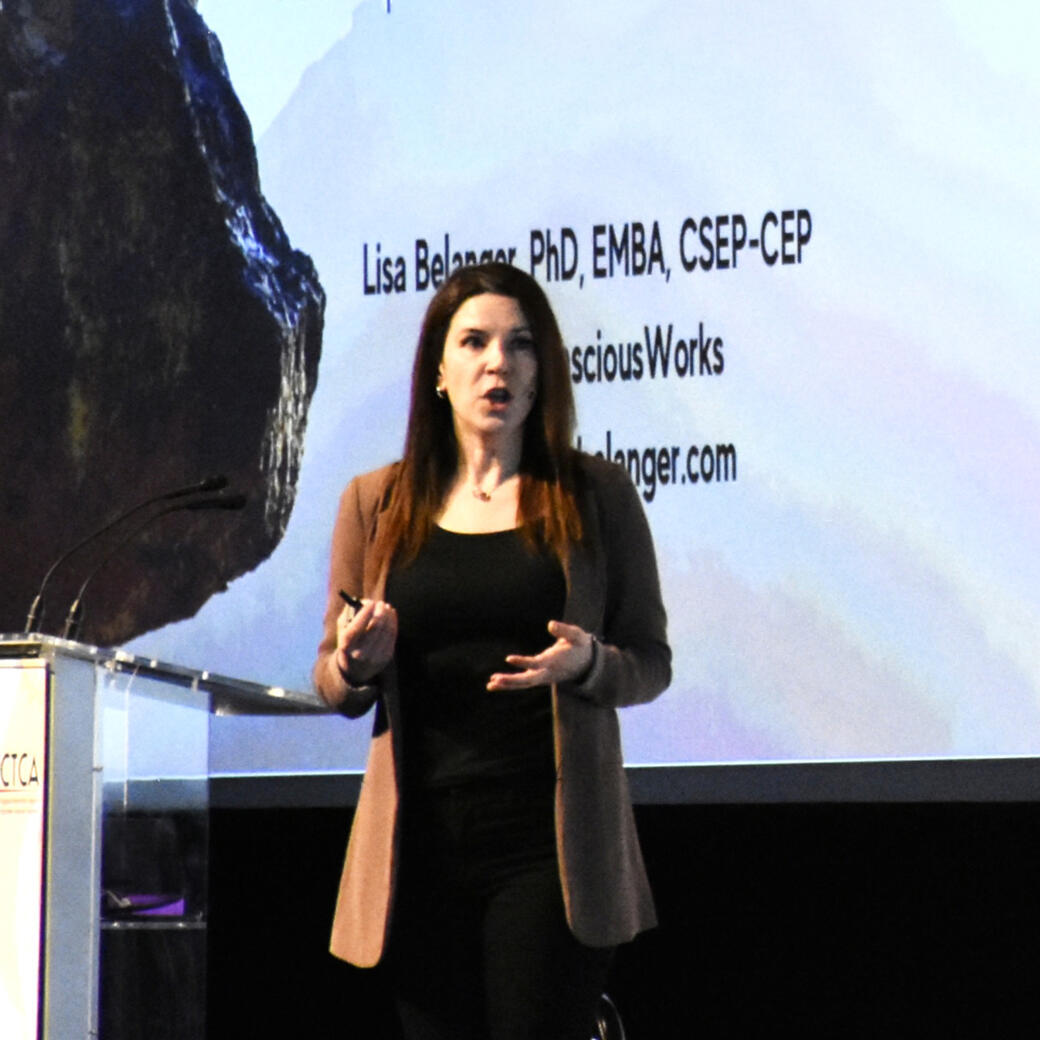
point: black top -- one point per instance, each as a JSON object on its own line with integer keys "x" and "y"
{"x": 463, "y": 603}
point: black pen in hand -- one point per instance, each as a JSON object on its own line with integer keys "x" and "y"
{"x": 350, "y": 600}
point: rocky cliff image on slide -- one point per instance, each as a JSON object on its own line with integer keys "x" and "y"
{"x": 156, "y": 325}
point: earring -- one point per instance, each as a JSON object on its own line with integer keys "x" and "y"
{"x": 440, "y": 392}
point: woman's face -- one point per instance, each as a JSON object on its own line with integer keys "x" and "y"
{"x": 489, "y": 368}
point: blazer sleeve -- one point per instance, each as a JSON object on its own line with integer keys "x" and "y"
{"x": 632, "y": 661}
{"x": 346, "y": 571}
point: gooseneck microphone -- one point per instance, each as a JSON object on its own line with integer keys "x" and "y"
{"x": 35, "y": 615}
{"x": 75, "y": 616}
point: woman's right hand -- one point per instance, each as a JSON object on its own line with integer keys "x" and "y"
{"x": 365, "y": 640}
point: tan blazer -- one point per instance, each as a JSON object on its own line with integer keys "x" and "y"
{"x": 612, "y": 592}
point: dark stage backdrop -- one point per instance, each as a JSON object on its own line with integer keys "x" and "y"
{"x": 851, "y": 921}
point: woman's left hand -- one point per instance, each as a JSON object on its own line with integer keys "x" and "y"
{"x": 568, "y": 658}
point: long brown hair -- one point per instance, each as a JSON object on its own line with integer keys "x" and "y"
{"x": 548, "y": 510}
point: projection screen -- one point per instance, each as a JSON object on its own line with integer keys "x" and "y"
{"x": 791, "y": 248}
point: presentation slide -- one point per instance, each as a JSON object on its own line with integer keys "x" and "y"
{"x": 791, "y": 248}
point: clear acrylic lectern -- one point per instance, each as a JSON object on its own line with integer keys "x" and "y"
{"x": 104, "y": 793}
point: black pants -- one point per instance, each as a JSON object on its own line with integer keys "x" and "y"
{"x": 479, "y": 946}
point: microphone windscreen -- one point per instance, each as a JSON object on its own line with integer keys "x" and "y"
{"x": 218, "y": 502}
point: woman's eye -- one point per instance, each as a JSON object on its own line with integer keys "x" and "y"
{"x": 523, "y": 344}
